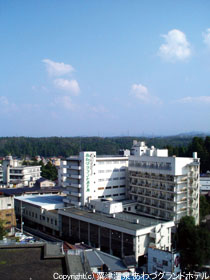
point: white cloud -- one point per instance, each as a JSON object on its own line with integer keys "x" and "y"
{"x": 198, "y": 99}
{"x": 57, "y": 68}
{"x": 6, "y": 106}
{"x": 4, "y": 100}
{"x": 71, "y": 86}
{"x": 97, "y": 109}
{"x": 141, "y": 92}
{"x": 176, "y": 46}
{"x": 65, "y": 102}
{"x": 206, "y": 37}
{"x": 39, "y": 88}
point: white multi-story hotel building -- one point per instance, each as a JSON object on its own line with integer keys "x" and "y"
{"x": 89, "y": 176}
{"x": 16, "y": 174}
{"x": 205, "y": 183}
{"x": 164, "y": 187}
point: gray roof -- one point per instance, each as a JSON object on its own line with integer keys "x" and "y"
{"x": 42, "y": 179}
{"x": 75, "y": 264}
{"x": 124, "y": 220}
{"x": 97, "y": 258}
{"x": 53, "y": 250}
{"x": 25, "y": 262}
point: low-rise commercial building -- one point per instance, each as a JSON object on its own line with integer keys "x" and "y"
{"x": 165, "y": 262}
{"x": 39, "y": 211}
{"x": 102, "y": 224}
{"x": 117, "y": 233}
{"x": 7, "y": 213}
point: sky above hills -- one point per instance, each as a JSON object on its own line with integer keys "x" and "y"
{"x": 104, "y": 68}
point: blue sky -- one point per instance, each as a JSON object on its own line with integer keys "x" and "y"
{"x": 104, "y": 67}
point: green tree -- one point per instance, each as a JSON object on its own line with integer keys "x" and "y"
{"x": 204, "y": 207}
{"x": 193, "y": 243}
{"x": 49, "y": 171}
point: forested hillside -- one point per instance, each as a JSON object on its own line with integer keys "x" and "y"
{"x": 66, "y": 146}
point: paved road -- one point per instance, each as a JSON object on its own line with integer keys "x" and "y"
{"x": 40, "y": 235}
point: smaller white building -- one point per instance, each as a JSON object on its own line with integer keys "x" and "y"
{"x": 17, "y": 175}
{"x": 45, "y": 183}
{"x": 163, "y": 261}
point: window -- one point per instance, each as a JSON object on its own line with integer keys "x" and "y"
{"x": 55, "y": 223}
{"x": 108, "y": 188}
{"x": 9, "y": 204}
{"x": 51, "y": 221}
{"x": 100, "y": 189}
{"x": 165, "y": 262}
{"x": 8, "y": 223}
{"x": 116, "y": 178}
{"x": 115, "y": 194}
{"x": 8, "y": 215}
{"x": 115, "y": 187}
{"x": 36, "y": 215}
{"x": 122, "y": 186}
{"x": 155, "y": 260}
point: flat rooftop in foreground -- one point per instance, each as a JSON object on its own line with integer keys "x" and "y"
{"x": 29, "y": 263}
{"x": 123, "y": 220}
{"x": 48, "y": 202}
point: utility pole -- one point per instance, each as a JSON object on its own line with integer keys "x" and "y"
{"x": 21, "y": 216}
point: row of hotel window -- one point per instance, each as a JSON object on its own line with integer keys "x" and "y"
{"x": 109, "y": 195}
{"x": 112, "y": 170}
{"x": 112, "y": 162}
{"x": 109, "y": 187}
{"x": 110, "y": 179}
